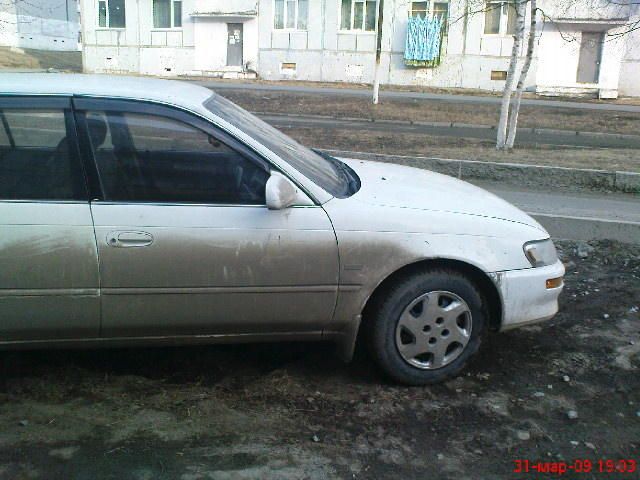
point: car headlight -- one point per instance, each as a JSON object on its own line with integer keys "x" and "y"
{"x": 541, "y": 252}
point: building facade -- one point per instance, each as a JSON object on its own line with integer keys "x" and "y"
{"x": 583, "y": 46}
{"x": 40, "y": 24}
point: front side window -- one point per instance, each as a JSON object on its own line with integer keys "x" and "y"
{"x": 36, "y": 158}
{"x": 358, "y": 15}
{"x": 111, "y": 13}
{"x": 149, "y": 158}
{"x": 290, "y": 14}
{"x": 500, "y": 18}
{"x": 167, "y": 14}
{"x": 330, "y": 174}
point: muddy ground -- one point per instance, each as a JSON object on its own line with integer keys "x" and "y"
{"x": 293, "y": 411}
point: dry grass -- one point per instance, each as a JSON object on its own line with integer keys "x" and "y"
{"x": 427, "y": 89}
{"x": 30, "y": 59}
{"x": 468, "y": 149}
{"x": 434, "y": 111}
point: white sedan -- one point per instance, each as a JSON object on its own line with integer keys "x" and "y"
{"x": 139, "y": 211}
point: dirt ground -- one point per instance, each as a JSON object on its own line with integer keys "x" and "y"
{"x": 433, "y": 111}
{"x": 465, "y": 148}
{"x": 624, "y": 159}
{"x": 293, "y": 411}
{"x": 29, "y": 58}
{"x": 424, "y": 89}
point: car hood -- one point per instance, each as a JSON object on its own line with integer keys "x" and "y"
{"x": 391, "y": 185}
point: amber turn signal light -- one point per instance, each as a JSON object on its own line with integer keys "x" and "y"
{"x": 554, "y": 282}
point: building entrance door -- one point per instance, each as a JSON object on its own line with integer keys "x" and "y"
{"x": 590, "y": 55}
{"x": 234, "y": 44}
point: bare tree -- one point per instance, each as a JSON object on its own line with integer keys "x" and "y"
{"x": 376, "y": 75}
{"x": 503, "y": 123}
{"x": 515, "y": 108}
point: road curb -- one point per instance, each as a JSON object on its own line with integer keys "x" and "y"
{"x": 584, "y": 228}
{"x": 513, "y": 173}
{"x": 452, "y": 125}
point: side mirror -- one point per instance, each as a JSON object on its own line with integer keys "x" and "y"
{"x": 280, "y": 192}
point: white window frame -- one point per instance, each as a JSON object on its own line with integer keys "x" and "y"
{"x": 107, "y": 19}
{"x": 364, "y": 18}
{"x": 431, "y": 9}
{"x": 504, "y": 19}
{"x": 285, "y": 18}
{"x": 171, "y": 16}
{"x": 427, "y": 12}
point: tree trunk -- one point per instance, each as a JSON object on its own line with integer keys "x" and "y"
{"x": 376, "y": 83}
{"x": 511, "y": 73}
{"x": 376, "y": 73}
{"x": 513, "y": 120}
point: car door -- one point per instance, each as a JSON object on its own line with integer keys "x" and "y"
{"x": 185, "y": 241}
{"x": 48, "y": 257}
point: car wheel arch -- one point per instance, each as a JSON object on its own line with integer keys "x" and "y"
{"x": 483, "y": 282}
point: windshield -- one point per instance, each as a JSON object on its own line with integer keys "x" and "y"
{"x": 324, "y": 171}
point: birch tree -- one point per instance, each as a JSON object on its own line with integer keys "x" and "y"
{"x": 376, "y": 75}
{"x": 515, "y": 108}
{"x": 503, "y": 123}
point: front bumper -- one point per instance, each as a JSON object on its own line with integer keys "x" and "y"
{"x": 525, "y": 296}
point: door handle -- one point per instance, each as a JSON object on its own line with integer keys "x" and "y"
{"x": 129, "y": 239}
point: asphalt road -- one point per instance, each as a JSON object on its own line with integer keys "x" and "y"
{"x": 445, "y": 97}
{"x": 525, "y": 135}
{"x": 602, "y": 206}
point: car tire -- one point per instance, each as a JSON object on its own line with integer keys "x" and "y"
{"x": 420, "y": 312}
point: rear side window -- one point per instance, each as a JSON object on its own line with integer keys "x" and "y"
{"x": 152, "y": 158}
{"x": 36, "y": 159}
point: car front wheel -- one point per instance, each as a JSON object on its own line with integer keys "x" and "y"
{"x": 427, "y": 327}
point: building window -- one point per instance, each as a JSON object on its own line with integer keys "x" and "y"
{"x": 359, "y": 15}
{"x": 111, "y": 13}
{"x": 500, "y": 18}
{"x": 167, "y": 14}
{"x": 435, "y": 9}
{"x": 291, "y": 14}
{"x": 419, "y": 9}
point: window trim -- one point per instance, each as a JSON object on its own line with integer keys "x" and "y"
{"x": 107, "y": 19}
{"x": 359, "y": 31}
{"x": 84, "y": 103}
{"x": 47, "y": 102}
{"x": 412, "y": 12}
{"x": 286, "y": 16}
{"x": 171, "y": 17}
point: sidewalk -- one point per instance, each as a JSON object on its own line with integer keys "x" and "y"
{"x": 577, "y": 216}
{"x": 397, "y": 94}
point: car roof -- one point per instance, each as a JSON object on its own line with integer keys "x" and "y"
{"x": 185, "y": 94}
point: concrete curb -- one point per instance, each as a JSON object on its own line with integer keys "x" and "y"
{"x": 513, "y": 173}
{"x": 581, "y": 228}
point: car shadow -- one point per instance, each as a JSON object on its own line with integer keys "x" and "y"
{"x": 206, "y": 365}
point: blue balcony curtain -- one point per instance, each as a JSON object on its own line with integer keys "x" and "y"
{"x": 424, "y": 38}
